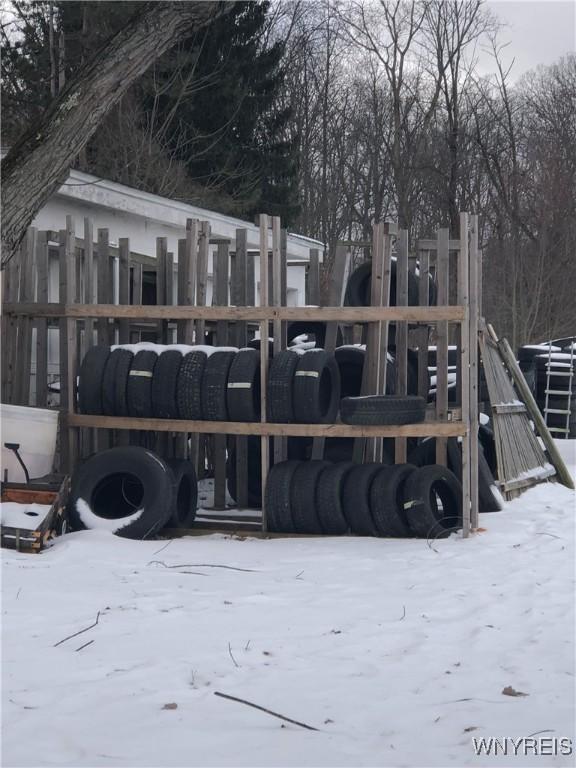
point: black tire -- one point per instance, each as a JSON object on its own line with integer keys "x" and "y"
{"x": 489, "y": 498}
{"x": 359, "y": 287}
{"x": 109, "y": 382}
{"x": 278, "y": 497}
{"x": 123, "y": 365}
{"x": 90, "y": 380}
{"x": 316, "y": 388}
{"x": 329, "y": 495}
{"x": 303, "y": 497}
{"x": 350, "y": 364}
{"x": 139, "y": 387}
{"x": 299, "y": 328}
{"x": 356, "y": 498}
{"x": 279, "y": 403}
{"x": 115, "y": 485}
{"x": 423, "y": 487}
{"x": 164, "y": 382}
{"x": 383, "y": 409}
{"x": 183, "y": 512}
{"x": 488, "y": 443}
{"x": 411, "y": 371}
{"x": 189, "y": 386}
{"x": 243, "y": 389}
{"x": 215, "y": 385}
{"x": 387, "y": 500}
{"x": 424, "y": 453}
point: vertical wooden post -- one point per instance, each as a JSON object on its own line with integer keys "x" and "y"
{"x": 423, "y": 330}
{"x": 220, "y": 299}
{"x": 161, "y": 255}
{"x": 401, "y": 333}
{"x": 280, "y": 443}
{"x": 187, "y": 269}
{"x": 27, "y": 279}
{"x": 243, "y": 296}
{"x": 464, "y": 300}
{"x": 124, "y": 286}
{"x": 42, "y": 266}
{"x": 104, "y": 283}
{"x": 10, "y": 293}
{"x": 474, "y": 318}
{"x": 284, "y": 284}
{"x": 170, "y": 282}
{"x": 338, "y": 280}
{"x": 264, "y": 358}
{"x": 442, "y": 272}
{"x": 89, "y": 297}
{"x": 68, "y": 340}
{"x": 202, "y": 279}
{"x": 313, "y": 278}
{"x": 239, "y": 288}
{"x": 136, "y": 283}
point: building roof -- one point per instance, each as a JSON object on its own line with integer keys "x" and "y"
{"x": 89, "y": 189}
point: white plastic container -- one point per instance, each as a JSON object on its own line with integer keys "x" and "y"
{"x": 35, "y": 430}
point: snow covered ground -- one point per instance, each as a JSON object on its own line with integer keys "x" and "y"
{"x": 397, "y": 651}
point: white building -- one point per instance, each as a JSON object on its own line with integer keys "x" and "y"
{"x": 142, "y": 217}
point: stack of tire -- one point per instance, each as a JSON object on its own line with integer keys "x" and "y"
{"x": 132, "y": 492}
{"x": 316, "y": 497}
{"x": 208, "y": 384}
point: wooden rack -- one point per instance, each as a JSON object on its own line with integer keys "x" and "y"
{"x": 443, "y": 422}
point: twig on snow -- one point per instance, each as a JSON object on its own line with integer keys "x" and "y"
{"x": 85, "y": 644}
{"x": 202, "y": 565}
{"x": 263, "y": 709}
{"x": 164, "y": 547}
{"x": 247, "y": 645}
{"x": 78, "y": 633}
{"x": 18, "y": 593}
{"x": 232, "y": 656}
{"x": 403, "y": 613}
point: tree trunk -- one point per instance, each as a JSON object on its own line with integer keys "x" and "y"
{"x": 39, "y": 162}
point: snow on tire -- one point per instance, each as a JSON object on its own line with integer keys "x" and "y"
{"x": 128, "y": 491}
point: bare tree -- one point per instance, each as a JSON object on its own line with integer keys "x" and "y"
{"x": 39, "y": 162}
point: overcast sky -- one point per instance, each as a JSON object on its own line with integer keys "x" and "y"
{"x": 539, "y": 31}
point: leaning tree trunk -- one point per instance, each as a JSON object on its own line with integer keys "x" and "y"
{"x": 39, "y": 162}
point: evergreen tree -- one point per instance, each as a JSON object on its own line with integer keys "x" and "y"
{"x": 200, "y": 125}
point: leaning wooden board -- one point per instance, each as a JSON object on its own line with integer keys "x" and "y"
{"x": 52, "y": 525}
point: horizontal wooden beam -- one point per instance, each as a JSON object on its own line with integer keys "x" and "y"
{"x": 326, "y": 314}
{"x": 424, "y": 429}
{"x": 432, "y": 245}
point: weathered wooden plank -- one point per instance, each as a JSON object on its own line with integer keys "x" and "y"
{"x": 473, "y": 335}
{"x": 10, "y": 295}
{"x": 105, "y": 296}
{"x": 27, "y": 293}
{"x": 41, "y": 322}
{"x": 264, "y": 444}
{"x": 220, "y": 293}
{"x": 284, "y": 284}
{"x": 279, "y": 443}
{"x": 202, "y": 278}
{"x": 464, "y": 300}
{"x": 161, "y": 254}
{"x": 354, "y": 315}
{"x": 338, "y": 280}
{"x": 187, "y": 270}
{"x": 423, "y": 429}
{"x": 400, "y": 449}
{"x": 424, "y": 331}
{"x": 124, "y": 287}
{"x": 313, "y": 278}
{"x": 442, "y": 276}
{"x": 239, "y": 285}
